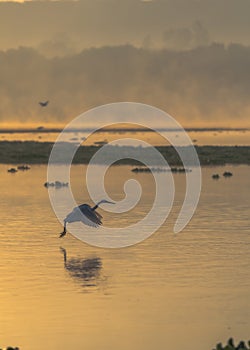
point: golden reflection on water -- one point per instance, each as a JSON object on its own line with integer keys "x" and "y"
{"x": 185, "y": 291}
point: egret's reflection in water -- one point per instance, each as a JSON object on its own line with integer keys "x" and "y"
{"x": 85, "y": 271}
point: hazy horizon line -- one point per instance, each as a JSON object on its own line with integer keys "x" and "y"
{"x": 51, "y": 129}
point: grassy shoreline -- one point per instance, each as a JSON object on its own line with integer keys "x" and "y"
{"x": 32, "y": 152}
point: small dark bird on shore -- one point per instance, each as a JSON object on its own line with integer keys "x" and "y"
{"x": 12, "y": 170}
{"x": 227, "y": 174}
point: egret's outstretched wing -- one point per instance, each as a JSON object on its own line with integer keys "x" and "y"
{"x": 90, "y": 217}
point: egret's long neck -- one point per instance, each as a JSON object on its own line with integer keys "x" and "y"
{"x": 96, "y": 206}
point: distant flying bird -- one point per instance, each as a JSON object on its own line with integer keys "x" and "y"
{"x": 84, "y": 213}
{"x": 44, "y": 104}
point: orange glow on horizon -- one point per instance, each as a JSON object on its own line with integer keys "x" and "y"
{"x": 196, "y": 125}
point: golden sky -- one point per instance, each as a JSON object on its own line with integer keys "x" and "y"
{"x": 189, "y": 58}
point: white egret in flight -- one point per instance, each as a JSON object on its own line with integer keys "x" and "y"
{"x": 84, "y": 213}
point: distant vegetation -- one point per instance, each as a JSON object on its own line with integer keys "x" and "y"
{"x": 229, "y": 346}
{"x": 31, "y": 152}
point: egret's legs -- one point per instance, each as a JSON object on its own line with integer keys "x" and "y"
{"x": 64, "y": 230}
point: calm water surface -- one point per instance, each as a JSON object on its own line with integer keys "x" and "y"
{"x": 185, "y": 291}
